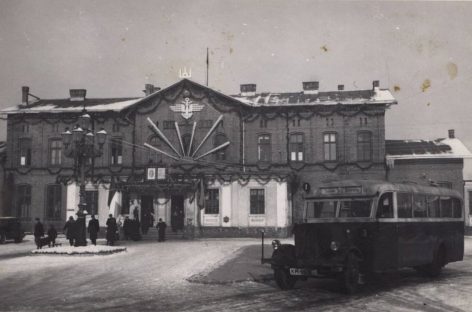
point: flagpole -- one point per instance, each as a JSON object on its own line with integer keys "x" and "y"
{"x": 207, "y": 67}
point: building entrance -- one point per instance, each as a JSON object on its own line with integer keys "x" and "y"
{"x": 147, "y": 208}
{"x": 177, "y": 212}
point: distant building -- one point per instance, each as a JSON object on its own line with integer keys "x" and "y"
{"x": 226, "y": 165}
{"x": 3, "y": 157}
{"x": 443, "y": 162}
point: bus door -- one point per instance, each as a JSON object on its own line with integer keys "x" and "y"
{"x": 386, "y": 241}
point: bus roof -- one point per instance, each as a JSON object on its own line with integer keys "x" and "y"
{"x": 359, "y": 188}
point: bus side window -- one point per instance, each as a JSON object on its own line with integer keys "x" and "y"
{"x": 385, "y": 206}
{"x": 433, "y": 206}
{"x": 457, "y": 208}
{"x": 419, "y": 206}
{"x": 404, "y": 205}
{"x": 446, "y": 207}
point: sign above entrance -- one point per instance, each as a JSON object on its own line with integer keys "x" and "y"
{"x": 156, "y": 173}
{"x": 187, "y": 108}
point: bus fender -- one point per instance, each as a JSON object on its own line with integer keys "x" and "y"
{"x": 283, "y": 256}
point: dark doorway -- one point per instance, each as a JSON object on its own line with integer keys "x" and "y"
{"x": 146, "y": 209}
{"x": 177, "y": 212}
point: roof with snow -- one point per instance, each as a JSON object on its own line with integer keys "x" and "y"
{"x": 321, "y": 98}
{"x": 68, "y": 105}
{"x": 421, "y": 149}
{"x": 379, "y": 96}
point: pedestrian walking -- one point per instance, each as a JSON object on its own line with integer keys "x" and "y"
{"x": 52, "y": 235}
{"x": 161, "y": 230}
{"x": 69, "y": 229}
{"x": 111, "y": 230}
{"x": 135, "y": 208}
{"x": 126, "y": 228}
{"x": 93, "y": 229}
{"x": 38, "y": 232}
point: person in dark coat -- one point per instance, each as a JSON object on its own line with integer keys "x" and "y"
{"x": 38, "y": 232}
{"x": 69, "y": 229}
{"x": 127, "y": 228}
{"x": 93, "y": 229}
{"x": 111, "y": 230}
{"x": 52, "y": 235}
{"x": 161, "y": 230}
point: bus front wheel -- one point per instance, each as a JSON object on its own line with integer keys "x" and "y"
{"x": 283, "y": 279}
{"x": 351, "y": 274}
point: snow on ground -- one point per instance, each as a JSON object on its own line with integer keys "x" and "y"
{"x": 82, "y": 250}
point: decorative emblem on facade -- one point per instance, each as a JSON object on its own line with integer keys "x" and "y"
{"x": 184, "y": 73}
{"x": 187, "y": 108}
{"x": 186, "y": 152}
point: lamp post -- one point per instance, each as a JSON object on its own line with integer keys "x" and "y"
{"x": 80, "y": 145}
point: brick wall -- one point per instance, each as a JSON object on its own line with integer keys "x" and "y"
{"x": 423, "y": 171}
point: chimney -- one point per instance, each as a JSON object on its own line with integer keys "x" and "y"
{"x": 150, "y": 89}
{"x": 375, "y": 86}
{"x": 340, "y": 87}
{"x": 77, "y": 94}
{"x": 248, "y": 89}
{"x": 451, "y": 134}
{"x": 311, "y": 87}
{"x": 24, "y": 95}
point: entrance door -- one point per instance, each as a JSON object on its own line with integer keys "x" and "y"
{"x": 146, "y": 209}
{"x": 177, "y": 212}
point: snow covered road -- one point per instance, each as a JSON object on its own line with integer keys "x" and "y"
{"x": 152, "y": 276}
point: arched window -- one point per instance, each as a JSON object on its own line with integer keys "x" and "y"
{"x": 220, "y": 154}
{"x": 264, "y": 147}
{"x": 154, "y": 157}
{"x": 23, "y": 201}
{"x": 364, "y": 146}
{"x": 296, "y": 147}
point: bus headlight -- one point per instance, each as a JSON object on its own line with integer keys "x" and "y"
{"x": 334, "y": 246}
{"x": 276, "y": 244}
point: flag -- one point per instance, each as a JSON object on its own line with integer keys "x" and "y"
{"x": 201, "y": 198}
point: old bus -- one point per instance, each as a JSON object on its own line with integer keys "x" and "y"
{"x": 351, "y": 228}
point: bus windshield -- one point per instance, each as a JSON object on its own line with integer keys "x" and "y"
{"x": 349, "y": 208}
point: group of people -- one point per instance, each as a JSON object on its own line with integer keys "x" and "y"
{"x": 71, "y": 230}
{"x": 38, "y": 233}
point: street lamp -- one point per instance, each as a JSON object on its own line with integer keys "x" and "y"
{"x": 79, "y": 144}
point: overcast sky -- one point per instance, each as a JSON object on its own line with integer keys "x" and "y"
{"x": 421, "y": 51}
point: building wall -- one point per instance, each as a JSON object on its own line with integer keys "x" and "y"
{"x": 241, "y": 125}
{"x": 422, "y": 171}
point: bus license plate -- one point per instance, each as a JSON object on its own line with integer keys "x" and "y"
{"x": 297, "y": 271}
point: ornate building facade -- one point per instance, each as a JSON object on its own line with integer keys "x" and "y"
{"x": 207, "y": 163}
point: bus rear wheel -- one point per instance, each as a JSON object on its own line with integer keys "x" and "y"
{"x": 434, "y": 268}
{"x": 283, "y": 279}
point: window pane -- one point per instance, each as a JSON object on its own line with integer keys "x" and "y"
{"x": 91, "y": 198}
{"x": 433, "y": 206}
{"x": 457, "y": 208}
{"x": 54, "y": 202}
{"x": 385, "y": 206}
{"x": 355, "y": 208}
{"x": 322, "y": 209}
{"x": 212, "y": 201}
{"x": 364, "y": 146}
{"x": 446, "y": 207}
{"x": 264, "y": 148}
{"x": 257, "y": 201}
{"x": 419, "y": 206}
{"x": 404, "y": 205}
